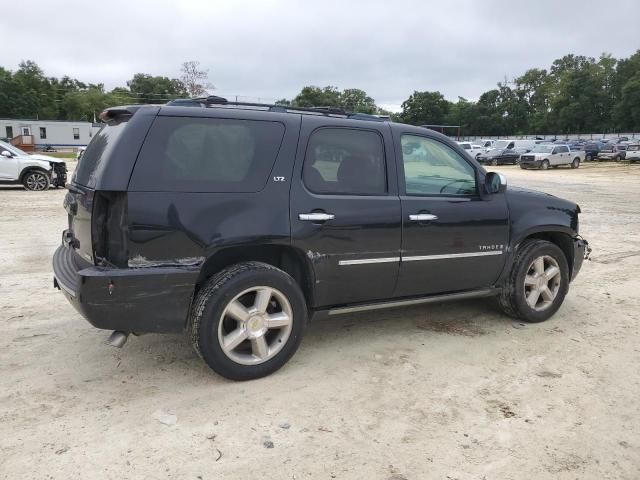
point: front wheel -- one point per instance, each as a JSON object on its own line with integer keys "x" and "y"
{"x": 575, "y": 163}
{"x": 588, "y": 157}
{"x": 545, "y": 165}
{"x": 494, "y": 161}
{"x": 248, "y": 320}
{"x": 36, "y": 181}
{"x": 538, "y": 282}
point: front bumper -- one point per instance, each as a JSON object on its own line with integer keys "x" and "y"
{"x": 141, "y": 300}
{"x": 581, "y": 252}
{"x": 530, "y": 163}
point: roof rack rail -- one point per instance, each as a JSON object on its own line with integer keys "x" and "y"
{"x": 214, "y": 100}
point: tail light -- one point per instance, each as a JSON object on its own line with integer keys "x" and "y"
{"x": 109, "y": 229}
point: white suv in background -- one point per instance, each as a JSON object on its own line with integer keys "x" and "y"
{"x": 36, "y": 172}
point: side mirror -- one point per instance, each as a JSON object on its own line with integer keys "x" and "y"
{"x": 6, "y": 153}
{"x": 495, "y": 182}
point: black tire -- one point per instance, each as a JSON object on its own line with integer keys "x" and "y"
{"x": 523, "y": 167}
{"x": 494, "y": 161}
{"x": 213, "y": 298}
{"x": 588, "y": 157}
{"x": 575, "y": 163}
{"x": 36, "y": 180}
{"x": 512, "y": 299}
{"x": 544, "y": 165}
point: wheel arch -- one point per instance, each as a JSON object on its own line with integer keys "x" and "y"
{"x": 29, "y": 169}
{"x": 558, "y": 236}
{"x": 285, "y": 257}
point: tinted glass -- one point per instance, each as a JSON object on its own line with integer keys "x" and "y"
{"x": 432, "y": 168}
{"x": 345, "y": 161}
{"x": 99, "y": 148}
{"x": 207, "y": 155}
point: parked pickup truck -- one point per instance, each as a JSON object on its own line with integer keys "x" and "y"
{"x": 238, "y": 222}
{"x": 633, "y": 153}
{"x": 472, "y": 149}
{"x": 543, "y": 156}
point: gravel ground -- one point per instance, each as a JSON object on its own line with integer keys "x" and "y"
{"x": 451, "y": 391}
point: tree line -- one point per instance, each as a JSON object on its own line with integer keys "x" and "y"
{"x": 576, "y": 94}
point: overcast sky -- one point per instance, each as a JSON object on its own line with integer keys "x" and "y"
{"x": 270, "y": 49}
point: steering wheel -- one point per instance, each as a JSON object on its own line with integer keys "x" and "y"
{"x": 451, "y": 183}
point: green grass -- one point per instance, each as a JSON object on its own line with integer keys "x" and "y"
{"x": 59, "y": 154}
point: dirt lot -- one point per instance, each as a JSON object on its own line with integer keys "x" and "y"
{"x": 452, "y": 391}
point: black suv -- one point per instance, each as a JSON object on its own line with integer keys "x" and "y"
{"x": 238, "y": 222}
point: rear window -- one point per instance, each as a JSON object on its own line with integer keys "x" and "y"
{"x": 91, "y": 163}
{"x": 207, "y": 155}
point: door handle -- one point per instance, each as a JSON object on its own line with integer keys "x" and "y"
{"x": 316, "y": 217}
{"x": 422, "y": 217}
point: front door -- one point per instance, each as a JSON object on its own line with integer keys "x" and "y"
{"x": 8, "y": 165}
{"x": 453, "y": 240}
{"x": 345, "y": 210}
{"x": 560, "y": 155}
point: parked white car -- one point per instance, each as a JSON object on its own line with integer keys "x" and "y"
{"x": 36, "y": 172}
{"x": 633, "y": 153}
{"x": 543, "y": 156}
{"x": 471, "y": 148}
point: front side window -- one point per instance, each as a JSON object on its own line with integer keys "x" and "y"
{"x": 432, "y": 168}
{"x": 207, "y": 155}
{"x": 345, "y": 161}
{"x": 43, "y": 132}
{"x": 76, "y": 134}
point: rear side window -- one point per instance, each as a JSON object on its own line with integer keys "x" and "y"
{"x": 207, "y": 155}
{"x": 89, "y": 166}
{"x": 345, "y": 161}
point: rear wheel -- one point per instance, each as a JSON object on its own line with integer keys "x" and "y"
{"x": 248, "y": 320}
{"x": 545, "y": 165}
{"x": 538, "y": 282}
{"x": 575, "y": 163}
{"x": 36, "y": 181}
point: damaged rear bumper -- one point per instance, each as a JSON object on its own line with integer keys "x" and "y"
{"x": 141, "y": 300}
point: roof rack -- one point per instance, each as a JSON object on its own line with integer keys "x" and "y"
{"x": 215, "y": 101}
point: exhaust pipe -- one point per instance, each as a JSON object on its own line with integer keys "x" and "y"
{"x": 117, "y": 339}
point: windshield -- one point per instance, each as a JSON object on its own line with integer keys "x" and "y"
{"x": 542, "y": 149}
{"x": 13, "y": 149}
{"x": 633, "y": 148}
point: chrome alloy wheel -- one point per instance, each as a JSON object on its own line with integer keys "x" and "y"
{"x": 255, "y": 325}
{"x": 542, "y": 282}
{"x": 36, "y": 181}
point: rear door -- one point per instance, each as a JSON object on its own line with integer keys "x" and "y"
{"x": 345, "y": 210}
{"x": 453, "y": 240}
